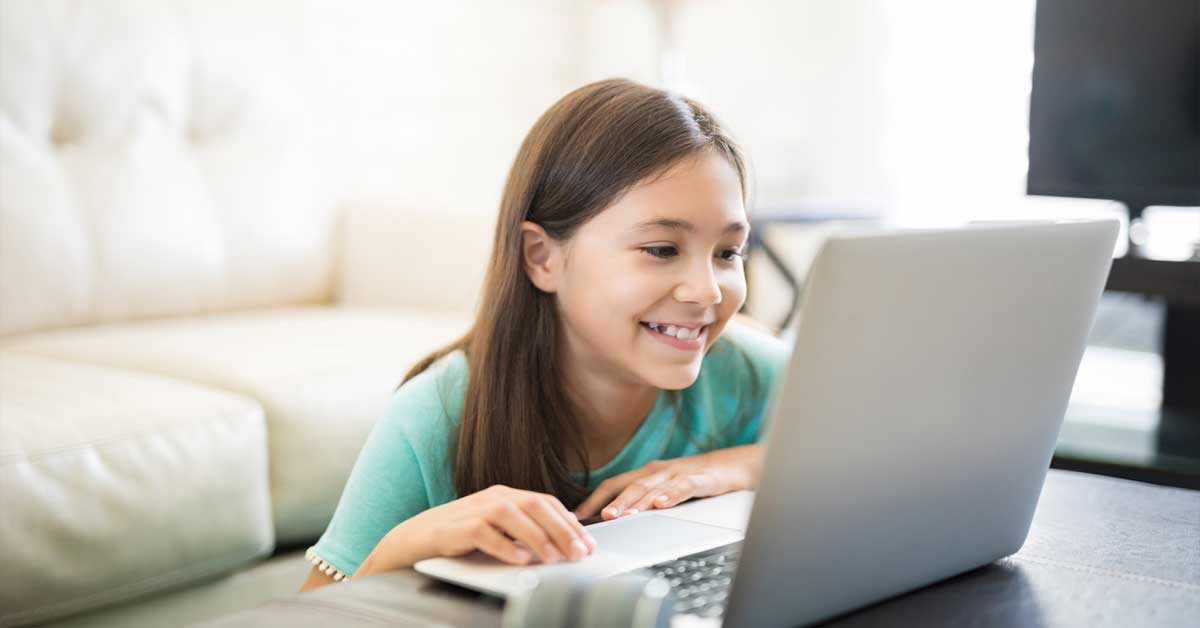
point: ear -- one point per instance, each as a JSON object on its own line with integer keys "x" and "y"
{"x": 540, "y": 254}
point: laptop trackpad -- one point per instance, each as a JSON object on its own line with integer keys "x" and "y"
{"x": 655, "y": 537}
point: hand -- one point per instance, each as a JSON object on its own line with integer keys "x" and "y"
{"x": 512, "y": 525}
{"x": 665, "y": 483}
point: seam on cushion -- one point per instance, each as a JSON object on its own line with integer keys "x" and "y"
{"x": 358, "y": 613}
{"x": 230, "y": 387}
{"x": 137, "y": 588}
{"x": 222, "y": 416}
{"x": 1102, "y": 571}
{"x": 219, "y": 383}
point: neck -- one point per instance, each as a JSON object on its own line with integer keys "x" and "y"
{"x": 614, "y": 405}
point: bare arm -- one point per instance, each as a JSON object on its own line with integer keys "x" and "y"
{"x": 514, "y": 526}
{"x": 316, "y": 578}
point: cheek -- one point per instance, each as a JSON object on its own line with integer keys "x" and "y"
{"x": 607, "y": 301}
{"x": 625, "y": 288}
{"x": 634, "y": 293}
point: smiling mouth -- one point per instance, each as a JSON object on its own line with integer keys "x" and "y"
{"x": 670, "y": 334}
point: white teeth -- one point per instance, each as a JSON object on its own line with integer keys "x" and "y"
{"x": 683, "y": 333}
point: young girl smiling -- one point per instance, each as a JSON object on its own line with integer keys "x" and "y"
{"x": 605, "y": 371}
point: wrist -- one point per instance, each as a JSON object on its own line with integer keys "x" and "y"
{"x": 752, "y": 466}
{"x": 400, "y": 548}
{"x": 742, "y": 466}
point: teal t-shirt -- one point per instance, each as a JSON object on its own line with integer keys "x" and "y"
{"x": 406, "y": 465}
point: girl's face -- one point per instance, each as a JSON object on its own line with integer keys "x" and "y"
{"x": 647, "y": 285}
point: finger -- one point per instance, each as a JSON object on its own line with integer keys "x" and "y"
{"x": 569, "y": 516}
{"x": 490, "y": 541}
{"x": 603, "y": 494}
{"x": 651, "y": 498}
{"x": 624, "y": 503}
{"x": 562, "y": 535}
{"x": 678, "y": 491}
{"x": 648, "y": 500}
{"x": 573, "y": 521}
{"x": 513, "y": 521}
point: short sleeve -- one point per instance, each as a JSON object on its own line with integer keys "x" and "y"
{"x": 399, "y": 473}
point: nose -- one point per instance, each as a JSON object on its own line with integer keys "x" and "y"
{"x": 699, "y": 285}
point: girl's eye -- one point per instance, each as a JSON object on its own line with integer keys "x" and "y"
{"x": 665, "y": 252}
{"x": 661, "y": 251}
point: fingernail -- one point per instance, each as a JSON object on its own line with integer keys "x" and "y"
{"x": 522, "y": 556}
{"x": 661, "y": 499}
{"x": 551, "y": 553}
{"x": 612, "y": 512}
{"x": 632, "y": 511}
{"x": 578, "y": 549}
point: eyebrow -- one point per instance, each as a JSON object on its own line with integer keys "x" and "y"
{"x": 675, "y": 224}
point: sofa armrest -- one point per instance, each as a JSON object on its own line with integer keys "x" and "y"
{"x": 427, "y": 257}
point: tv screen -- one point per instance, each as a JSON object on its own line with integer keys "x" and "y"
{"x": 1115, "y": 108}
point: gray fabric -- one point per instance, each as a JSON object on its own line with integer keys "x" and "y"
{"x": 1101, "y": 552}
{"x": 274, "y": 577}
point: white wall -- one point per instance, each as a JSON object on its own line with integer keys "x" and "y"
{"x": 917, "y": 108}
{"x": 429, "y": 101}
{"x": 798, "y": 83}
{"x": 425, "y": 103}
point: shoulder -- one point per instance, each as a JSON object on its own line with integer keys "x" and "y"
{"x": 425, "y": 410}
{"x": 442, "y": 382}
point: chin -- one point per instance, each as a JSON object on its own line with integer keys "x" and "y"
{"x": 675, "y": 377}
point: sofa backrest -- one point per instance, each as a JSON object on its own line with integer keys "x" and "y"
{"x": 153, "y": 162}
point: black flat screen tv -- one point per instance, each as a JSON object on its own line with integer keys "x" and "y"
{"x": 1115, "y": 108}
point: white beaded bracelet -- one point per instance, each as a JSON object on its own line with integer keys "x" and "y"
{"x": 329, "y": 570}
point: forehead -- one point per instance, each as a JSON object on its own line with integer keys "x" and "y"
{"x": 703, "y": 190}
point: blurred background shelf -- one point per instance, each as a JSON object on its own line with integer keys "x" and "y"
{"x": 1135, "y": 408}
{"x": 1162, "y": 453}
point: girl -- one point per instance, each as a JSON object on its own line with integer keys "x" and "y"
{"x": 603, "y": 372}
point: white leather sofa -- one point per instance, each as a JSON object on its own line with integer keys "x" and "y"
{"x": 196, "y": 330}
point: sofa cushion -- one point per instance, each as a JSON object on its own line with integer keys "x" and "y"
{"x": 323, "y": 374}
{"x": 258, "y": 583}
{"x": 156, "y": 161}
{"x": 116, "y": 483}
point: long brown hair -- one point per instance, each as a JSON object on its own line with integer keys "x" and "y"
{"x": 580, "y": 156}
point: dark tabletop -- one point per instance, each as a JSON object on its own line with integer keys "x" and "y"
{"x": 1101, "y": 552}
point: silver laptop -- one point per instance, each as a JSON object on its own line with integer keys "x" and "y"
{"x": 908, "y": 440}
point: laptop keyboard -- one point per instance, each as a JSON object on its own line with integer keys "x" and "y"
{"x": 700, "y": 582}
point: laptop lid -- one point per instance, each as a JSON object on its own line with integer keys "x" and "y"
{"x": 916, "y": 421}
